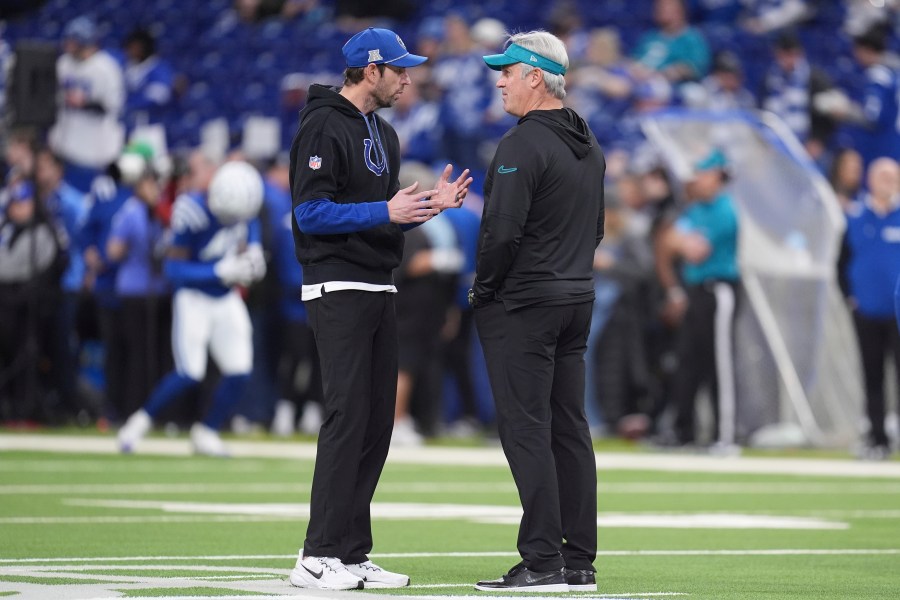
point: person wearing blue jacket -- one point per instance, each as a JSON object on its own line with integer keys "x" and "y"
{"x": 873, "y": 238}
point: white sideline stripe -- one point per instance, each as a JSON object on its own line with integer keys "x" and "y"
{"x": 828, "y": 514}
{"x": 491, "y": 514}
{"x": 760, "y": 552}
{"x": 487, "y": 456}
{"x": 775, "y": 488}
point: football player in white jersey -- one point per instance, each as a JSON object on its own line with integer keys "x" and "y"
{"x": 216, "y": 247}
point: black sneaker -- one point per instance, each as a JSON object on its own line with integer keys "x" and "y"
{"x": 522, "y": 579}
{"x": 581, "y": 580}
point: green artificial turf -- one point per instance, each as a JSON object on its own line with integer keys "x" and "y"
{"x": 168, "y": 527}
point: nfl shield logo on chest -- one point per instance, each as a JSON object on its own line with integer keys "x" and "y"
{"x": 315, "y": 162}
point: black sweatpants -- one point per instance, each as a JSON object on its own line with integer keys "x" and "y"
{"x": 705, "y": 349}
{"x": 877, "y": 339}
{"x": 535, "y": 361}
{"x": 356, "y": 337}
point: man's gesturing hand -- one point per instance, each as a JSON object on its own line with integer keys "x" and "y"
{"x": 408, "y": 206}
{"x": 451, "y": 195}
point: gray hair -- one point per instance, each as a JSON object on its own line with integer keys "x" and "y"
{"x": 549, "y": 46}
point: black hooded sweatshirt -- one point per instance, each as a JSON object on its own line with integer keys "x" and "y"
{"x": 543, "y": 213}
{"x": 341, "y": 155}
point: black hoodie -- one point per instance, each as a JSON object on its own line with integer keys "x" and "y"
{"x": 341, "y": 155}
{"x": 543, "y": 213}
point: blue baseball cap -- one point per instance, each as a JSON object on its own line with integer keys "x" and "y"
{"x": 515, "y": 53}
{"x": 82, "y": 30}
{"x": 380, "y": 47}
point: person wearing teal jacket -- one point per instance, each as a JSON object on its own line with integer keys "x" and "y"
{"x": 705, "y": 240}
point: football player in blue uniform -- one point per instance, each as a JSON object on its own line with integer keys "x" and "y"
{"x": 216, "y": 247}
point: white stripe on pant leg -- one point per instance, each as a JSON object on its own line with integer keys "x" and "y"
{"x": 725, "y": 361}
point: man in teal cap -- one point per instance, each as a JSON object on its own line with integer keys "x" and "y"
{"x": 533, "y": 296}
{"x": 702, "y": 297}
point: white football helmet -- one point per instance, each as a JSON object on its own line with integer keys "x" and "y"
{"x": 235, "y": 192}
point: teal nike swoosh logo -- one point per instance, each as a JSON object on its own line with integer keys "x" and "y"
{"x": 503, "y": 169}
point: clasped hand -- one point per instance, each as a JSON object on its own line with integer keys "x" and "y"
{"x": 409, "y": 206}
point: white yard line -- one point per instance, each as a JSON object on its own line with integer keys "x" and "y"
{"x": 485, "y": 456}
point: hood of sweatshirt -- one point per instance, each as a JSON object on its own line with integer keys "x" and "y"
{"x": 565, "y": 123}
{"x": 320, "y": 96}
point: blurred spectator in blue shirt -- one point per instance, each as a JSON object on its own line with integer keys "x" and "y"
{"x": 675, "y": 49}
{"x": 416, "y": 121}
{"x": 106, "y": 197}
{"x": 789, "y": 90}
{"x": 462, "y": 110}
{"x": 137, "y": 244}
{"x": 68, "y": 208}
{"x": 601, "y": 86}
{"x": 873, "y": 236}
{"x": 295, "y": 362}
{"x": 878, "y": 117}
{"x": 149, "y": 81}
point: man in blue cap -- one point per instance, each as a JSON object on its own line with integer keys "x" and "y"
{"x": 349, "y": 217}
{"x": 533, "y": 295}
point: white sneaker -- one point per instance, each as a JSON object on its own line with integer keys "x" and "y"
{"x": 134, "y": 430}
{"x": 207, "y": 441}
{"x": 325, "y": 573}
{"x": 283, "y": 421}
{"x": 405, "y": 433}
{"x": 374, "y": 576}
{"x": 311, "y": 420}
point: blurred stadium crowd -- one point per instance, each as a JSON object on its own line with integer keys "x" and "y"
{"x": 181, "y": 86}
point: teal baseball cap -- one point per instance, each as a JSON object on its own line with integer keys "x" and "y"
{"x": 515, "y": 53}
{"x": 714, "y": 160}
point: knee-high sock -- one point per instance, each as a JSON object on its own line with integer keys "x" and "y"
{"x": 224, "y": 400}
{"x": 171, "y": 387}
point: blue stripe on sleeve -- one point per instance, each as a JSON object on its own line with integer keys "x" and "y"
{"x": 324, "y": 217}
{"x": 182, "y": 272}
